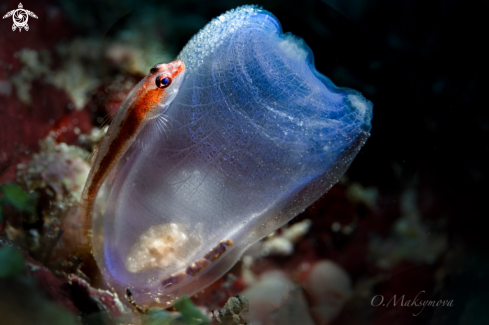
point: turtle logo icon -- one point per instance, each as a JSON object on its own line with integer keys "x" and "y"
{"x": 20, "y": 16}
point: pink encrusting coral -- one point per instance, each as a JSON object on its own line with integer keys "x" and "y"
{"x": 23, "y": 61}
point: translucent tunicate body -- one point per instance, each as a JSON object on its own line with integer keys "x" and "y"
{"x": 255, "y": 135}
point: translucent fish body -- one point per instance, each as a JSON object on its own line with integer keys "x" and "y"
{"x": 255, "y": 135}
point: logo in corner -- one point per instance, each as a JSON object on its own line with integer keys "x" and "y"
{"x": 20, "y": 17}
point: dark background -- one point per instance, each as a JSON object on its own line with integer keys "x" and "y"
{"x": 422, "y": 64}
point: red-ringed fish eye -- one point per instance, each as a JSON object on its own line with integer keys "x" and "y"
{"x": 163, "y": 81}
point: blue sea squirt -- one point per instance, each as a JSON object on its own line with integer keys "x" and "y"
{"x": 245, "y": 135}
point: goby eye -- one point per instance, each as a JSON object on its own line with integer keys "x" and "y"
{"x": 162, "y": 81}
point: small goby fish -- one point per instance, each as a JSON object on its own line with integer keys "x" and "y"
{"x": 148, "y": 100}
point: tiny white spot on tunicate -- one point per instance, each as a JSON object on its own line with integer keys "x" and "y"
{"x": 291, "y": 47}
{"x": 359, "y": 103}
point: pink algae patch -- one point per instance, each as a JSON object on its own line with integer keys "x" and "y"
{"x": 22, "y": 125}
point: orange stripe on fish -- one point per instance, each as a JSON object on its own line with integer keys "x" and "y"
{"x": 149, "y": 99}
